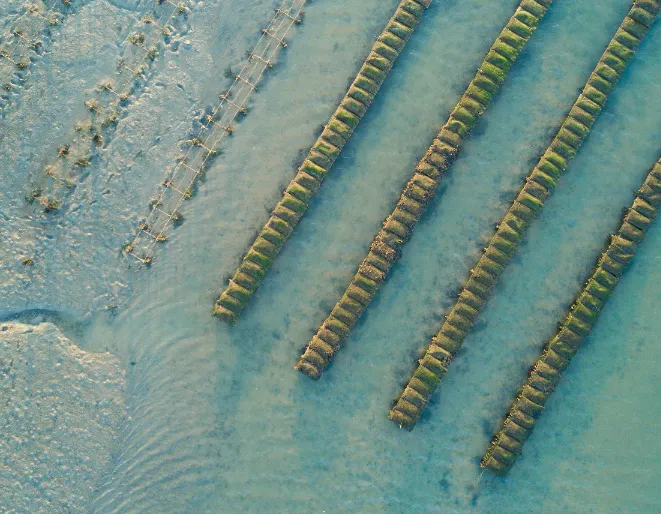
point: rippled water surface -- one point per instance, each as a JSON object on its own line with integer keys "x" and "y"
{"x": 217, "y": 418}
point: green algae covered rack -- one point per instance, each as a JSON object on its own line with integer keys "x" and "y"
{"x": 419, "y": 191}
{"x": 308, "y": 180}
{"x": 554, "y": 359}
{"x": 525, "y": 208}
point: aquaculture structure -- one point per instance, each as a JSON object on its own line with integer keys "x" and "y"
{"x": 527, "y": 205}
{"x": 558, "y": 352}
{"x": 26, "y": 41}
{"x": 421, "y": 188}
{"x": 216, "y": 125}
{"x": 107, "y": 105}
{"x": 320, "y": 159}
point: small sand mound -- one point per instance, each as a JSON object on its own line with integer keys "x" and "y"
{"x": 60, "y": 411}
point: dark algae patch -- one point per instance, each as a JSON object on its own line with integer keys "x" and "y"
{"x": 310, "y": 176}
{"x": 512, "y": 229}
{"x": 546, "y": 372}
{"x": 420, "y": 190}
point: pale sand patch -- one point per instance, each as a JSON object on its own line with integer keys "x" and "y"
{"x": 60, "y": 411}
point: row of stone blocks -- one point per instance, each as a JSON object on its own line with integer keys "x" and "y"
{"x": 527, "y": 205}
{"x": 421, "y": 188}
{"x": 310, "y": 176}
{"x": 547, "y": 370}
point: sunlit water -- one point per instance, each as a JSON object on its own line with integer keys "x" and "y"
{"x": 218, "y": 420}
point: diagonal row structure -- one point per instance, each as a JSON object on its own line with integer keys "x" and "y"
{"x": 216, "y": 125}
{"x": 547, "y": 370}
{"x": 26, "y": 41}
{"x": 310, "y": 176}
{"x": 527, "y": 205}
{"x": 421, "y": 188}
{"x": 106, "y": 107}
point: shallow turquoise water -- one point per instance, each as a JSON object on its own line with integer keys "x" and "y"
{"x": 218, "y": 420}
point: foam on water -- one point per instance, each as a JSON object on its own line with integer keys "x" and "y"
{"x": 218, "y": 418}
